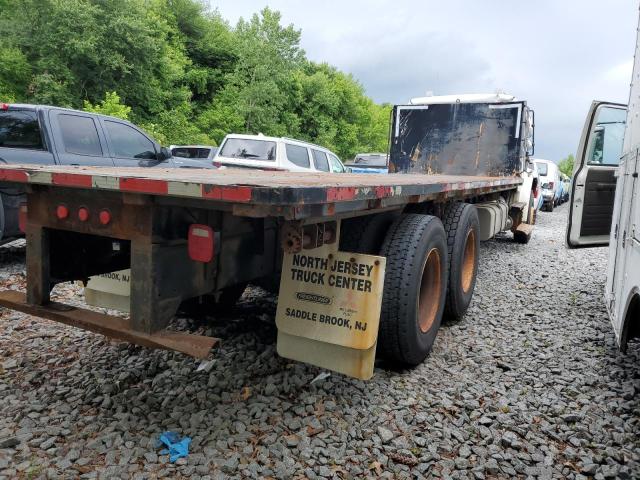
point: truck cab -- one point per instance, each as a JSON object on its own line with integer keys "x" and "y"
{"x": 604, "y": 206}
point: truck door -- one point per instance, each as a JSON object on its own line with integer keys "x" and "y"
{"x": 130, "y": 147}
{"x": 78, "y": 139}
{"x": 593, "y": 185}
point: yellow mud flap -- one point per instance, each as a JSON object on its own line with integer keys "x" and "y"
{"x": 329, "y": 309}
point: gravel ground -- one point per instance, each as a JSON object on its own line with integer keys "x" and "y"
{"x": 529, "y": 384}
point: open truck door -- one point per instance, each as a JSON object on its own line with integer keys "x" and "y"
{"x": 593, "y": 185}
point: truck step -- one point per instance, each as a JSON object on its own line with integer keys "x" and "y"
{"x": 523, "y": 233}
{"x": 116, "y": 327}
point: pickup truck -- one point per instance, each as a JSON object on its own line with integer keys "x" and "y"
{"x": 369, "y": 264}
{"x": 43, "y": 135}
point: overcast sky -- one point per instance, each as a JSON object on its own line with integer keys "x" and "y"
{"x": 557, "y": 55}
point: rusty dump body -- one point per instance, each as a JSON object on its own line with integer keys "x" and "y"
{"x": 150, "y": 212}
{"x": 459, "y": 138}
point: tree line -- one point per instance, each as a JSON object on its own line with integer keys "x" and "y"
{"x": 182, "y": 72}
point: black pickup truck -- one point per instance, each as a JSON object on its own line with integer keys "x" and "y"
{"x": 45, "y": 135}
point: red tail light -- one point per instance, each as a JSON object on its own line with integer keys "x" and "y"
{"x": 62, "y": 212}
{"x": 201, "y": 243}
{"x": 105, "y": 217}
{"x": 4, "y": 106}
{"x": 83, "y": 214}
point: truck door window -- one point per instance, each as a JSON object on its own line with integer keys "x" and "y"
{"x": 20, "y": 129}
{"x": 79, "y": 135}
{"x": 320, "y": 160}
{"x": 606, "y": 137}
{"x": 127, "y": 142}
{"x": 297, "y": 155}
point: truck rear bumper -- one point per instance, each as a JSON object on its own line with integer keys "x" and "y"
{"x": 195, "y": 345}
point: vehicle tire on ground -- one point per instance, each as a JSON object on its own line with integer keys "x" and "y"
{"x": 415, "y": 287}
{"x": 462, "y": 227}
{"x": 550, "y": 206}
{"x": 365, "y": 234}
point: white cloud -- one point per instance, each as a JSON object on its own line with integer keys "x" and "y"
{"x": 557, "y": 55}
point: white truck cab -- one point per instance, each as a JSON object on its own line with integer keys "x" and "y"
{"x": 605, "y": 202}
{"x": 276, "y": 153}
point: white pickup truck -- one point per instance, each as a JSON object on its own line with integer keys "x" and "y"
{"x": 605, "y": 203}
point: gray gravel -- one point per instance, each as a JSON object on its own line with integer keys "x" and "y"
{"x": 529, "y": 384}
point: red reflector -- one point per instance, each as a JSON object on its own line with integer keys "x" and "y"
{"x": 105, "y": 217}
{"x": 201, "y": 243}
{"x": 22, "y": 217}
{"x": 4, "y": 106}
{"x": 62, "y": 212}
{"x": 83, "y": 214}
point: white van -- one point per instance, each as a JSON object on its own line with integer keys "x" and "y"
{"x": 276, "y": 153}
{"x": 550, "y": 183}
{"x": 605, "y": 201}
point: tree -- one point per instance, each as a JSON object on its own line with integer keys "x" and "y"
{"x": 182, "y": 72}
{"x": 111, "y": 105}
{"x": 566, "y": 165}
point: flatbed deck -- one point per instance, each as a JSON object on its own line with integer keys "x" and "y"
{"x": 257, "y": 187}
{"x": 146, "y": 217}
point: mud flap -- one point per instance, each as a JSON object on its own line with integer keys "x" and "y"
{"x": 329, "y": 309}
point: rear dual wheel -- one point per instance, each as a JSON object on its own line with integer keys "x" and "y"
{"x": 415, "y": 286}
{"x": 462, "y": 227}
{"x": 430, "y": 268}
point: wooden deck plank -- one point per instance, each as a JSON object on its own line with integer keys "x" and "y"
{"x": 268, "y": 187}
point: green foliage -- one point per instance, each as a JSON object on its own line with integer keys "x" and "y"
{"x": 566, "y": 165}
{"x": 111, "y": 105}
{"x": 182, "y": 72}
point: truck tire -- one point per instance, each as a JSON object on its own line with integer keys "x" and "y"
{"x": 462, "y": 227}
{"x": 415, "y": 286}
{"x": 365, "y": 234}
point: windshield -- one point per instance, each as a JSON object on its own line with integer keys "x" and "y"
{"x": 247, "y": 148}
{"x": 369, "y": 161}
{"x": 542, "y": 168}
{"x": 190, "y": 152}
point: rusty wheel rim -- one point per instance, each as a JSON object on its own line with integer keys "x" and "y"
{"x": 468, "y": 261}
{"x": 430, "y": 288}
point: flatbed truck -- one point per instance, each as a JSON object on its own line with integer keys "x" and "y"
{"x": 369, "y": 264}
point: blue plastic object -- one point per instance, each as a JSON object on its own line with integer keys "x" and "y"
{"x": 176, "y": 448}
